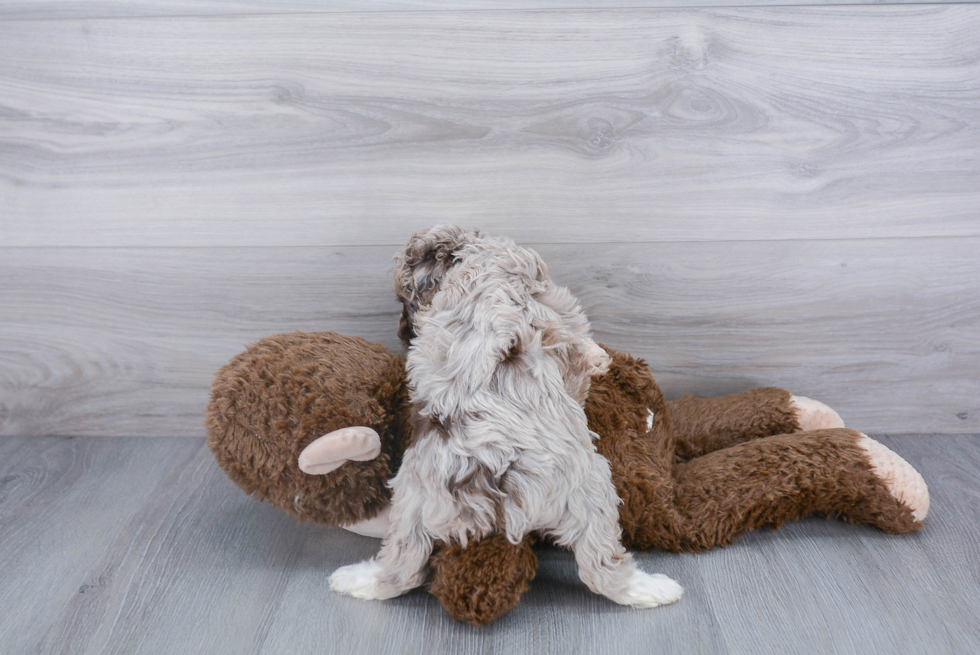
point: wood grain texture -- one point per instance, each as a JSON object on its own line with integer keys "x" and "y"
{"x": 183, "y": 561}
{"x": 63, "y": 503}
{"x": 146, "y": 603}
{"x": 557, "y": 126}
{"x": 946, "y": 574}
{"x": 114, "y": 342}
{"x": 62, "y": 9}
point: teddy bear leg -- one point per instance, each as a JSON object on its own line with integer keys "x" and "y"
{"x": 771, "y": 480}
{"x": 703, "y": 425}
{"x": 483, "y": 581}
{"x": 903, "y": 481}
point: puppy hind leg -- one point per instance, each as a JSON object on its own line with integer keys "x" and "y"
{"x": 399, "y": 567}
{"x": 591, "y": 529}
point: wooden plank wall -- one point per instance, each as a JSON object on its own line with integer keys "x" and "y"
{"x": 47, "y": 9}
{"x": 745, "y": 196}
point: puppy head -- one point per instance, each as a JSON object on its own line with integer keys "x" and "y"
{"x": 420, "y": 267}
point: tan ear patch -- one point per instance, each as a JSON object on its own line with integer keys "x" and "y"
{"x": 332, "y": 450}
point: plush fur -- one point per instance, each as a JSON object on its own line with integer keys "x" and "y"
{"x": 269, "y": 402}
{"x": 483, "y": 581}
{"x": 740, "y": 474}
{"x": 757, "y": 412}
{"x": 499, "y": 370}
{"x": 741, "y": 479}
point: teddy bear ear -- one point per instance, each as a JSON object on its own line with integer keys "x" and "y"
{"x": 333, "y": 450}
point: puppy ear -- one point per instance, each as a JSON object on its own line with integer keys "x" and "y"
{"x": 422, "y": 263}
{"x": 459, "y": 348}
{"x": 421, "y": 266}
{"x": 406, "y": 327}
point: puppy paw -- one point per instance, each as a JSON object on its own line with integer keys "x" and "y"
{"x": 333, "y": 450}
{"x": 904, "y": 483}
{"x": 814, "y": 415}
{"x": 599, "y": 359}
{"x": 358, "y": 580}
{"x": 650, "y": 590}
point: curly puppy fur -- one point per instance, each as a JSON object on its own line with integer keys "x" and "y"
{"x": 499, "y": 369}
{"x": 420, "y": 267}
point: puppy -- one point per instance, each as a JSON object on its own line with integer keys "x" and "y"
{"x": 499, "y": 368}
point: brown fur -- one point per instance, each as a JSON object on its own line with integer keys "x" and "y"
{"x": 283, "y": 392}
{"x": 709, "y": 424}
{"x": 708, "y": 469}
{"x": 706, "y": 501}
{"x": 479, "y": 583}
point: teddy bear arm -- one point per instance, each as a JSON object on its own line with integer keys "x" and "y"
{"x": 703, "y": 425}
{"x": 483, "y": 581}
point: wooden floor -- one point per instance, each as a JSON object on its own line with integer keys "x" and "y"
{"x": 128, "y": 545}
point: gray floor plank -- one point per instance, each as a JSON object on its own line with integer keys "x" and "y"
{"x": 176, "y": 559}
{"x": 572, "y": 126}
{"x": 945, "y": 569}
{"x": 62, "y": 503}
{"x": 200, "y": 569}
{"x": 825, "y": 581}
{"x": 566, "y": 617}
{"x": 125, "y": 342}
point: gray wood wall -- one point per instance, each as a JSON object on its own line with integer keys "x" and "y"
{"x": 745, "y": 196}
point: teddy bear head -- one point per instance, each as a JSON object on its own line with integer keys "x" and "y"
{"x": 271, "y": 401}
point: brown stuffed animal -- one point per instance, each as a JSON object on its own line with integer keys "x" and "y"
{"x": 692, "y": 473}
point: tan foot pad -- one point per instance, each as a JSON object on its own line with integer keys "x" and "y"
{"x": 333, "y": 450}
{"x": 814, "y": 415}
{"x": 903, "y": 481}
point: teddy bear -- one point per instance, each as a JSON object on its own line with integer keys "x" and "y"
{"x": 316, "y": 423}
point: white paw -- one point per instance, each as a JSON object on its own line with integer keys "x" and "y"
{"x": 358, "y": 580}
{"x": 902, "y": 480}
{"x": 599, "y": 359}
{"x": 814, "y": 415}
{"x": 650, "y": 590}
